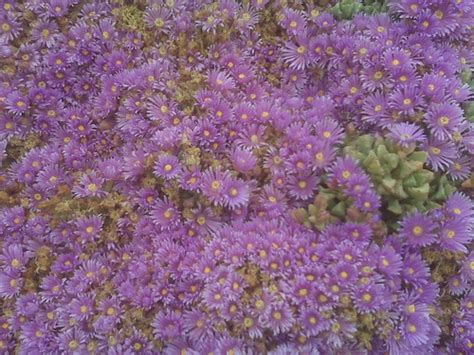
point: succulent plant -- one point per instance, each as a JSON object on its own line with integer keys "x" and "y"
{"x": 400, "y": 175}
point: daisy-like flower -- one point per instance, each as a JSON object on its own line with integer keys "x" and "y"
{"x": 81, "y": 307}
{"x": 236, "y": 193}
{"x": 415, "y": 329}
{"x": 418, "y": 229}
{"x": 72, "y": 341}
{"x": 455, "y": 236}
{"x": 13, "y": 257}
{"x": 279, "y": 318}
{"x": 17, "y": 104}
{"x": 375, "y": 110}
{"x": 344, "y": 169}
{"x": 90, "y": 185}
{"x": 297, "y": 55}
{"x": 197, "y": 324}
{"x": 460, "y": 208}
{"x": 441, "y": 154}
{"x": 293, "y": 21}
{"x": 44, "y": 33}
{"x": 433, "y": 86}
{"x": 167, "y": 167}
{"x": 157, "y": 18}
{"x": 406, "y": 134}
{"x": 368, "y": 201}
{"x": 9, "y": 28}
{"x": 369, "y": 298}
{"x": 396, "y": 59}
{"x": 11, "y": 283}
{"x": 313, "y": 322}
{"x": 461, "y": 168}
{"x": 215, "y": 296}
{"x": 443, "y": 119}
{"x": 390, "y": 262}
{"x": 247, "y": 18}
{"x": 50, "y": 178}
{"x": 89, "y": 228}
{"x": 165, "y": 215}
{"x": 302, "y": 187}
{"x": 457, "y": 285}
{"x": 212, "y": 185}
{"x": 243, "y": 160}
{"x": 220, "y": 81}
{"x": 405, "y": 100}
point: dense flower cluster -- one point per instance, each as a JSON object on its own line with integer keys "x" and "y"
{"x": 181, "y": 177}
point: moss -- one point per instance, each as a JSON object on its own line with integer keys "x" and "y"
{"x": 131, "y": 18}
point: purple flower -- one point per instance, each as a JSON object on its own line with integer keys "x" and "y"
{"x": 89, "y": 228}
{"x": 10, "y": 283}
{"x": 167, "y": 167}
{"x": 165, "y": 215}
{"x": 418, "y": 229}
{"x": 243, "y": 160}
{"x": 441, "y": 154}
{"x": 213, "y": 183}
{"x": 168, "y": 325}
{"x": 443, "y": 119}
{"x": 197, "y": 325}
{"x": 312, "y": 321}
{"x": 13, "y": 257}
{"x": 415, "y": 329}
{"x": 235, "y": 193}
{"x": 455, "y": 236}
{"x": 406, "y": 134}
{"x": 302, "y": 187}
{"x": 405, "y": 100}
{"x": 90, "y": 185}
{"x": 278, "y": 318}
{"x": 369, "y": 298}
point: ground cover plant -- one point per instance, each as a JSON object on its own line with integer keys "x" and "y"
{"x": 236, "y": 177}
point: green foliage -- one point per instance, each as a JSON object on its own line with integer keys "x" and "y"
{"x": 346, "y": 9}
{"x": 400, "y": 175}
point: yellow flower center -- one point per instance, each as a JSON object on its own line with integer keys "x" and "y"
{"x": 92, "y": 187}
{"x": 407, "y": 102}
{"x": 15, "y": 263}
{"x": 73, "y": 344}
{"x": 277, "y": 315}
{"x": 444, "y": 120}
{"x": 301, "y": 49}
{"x": 303, "y": 292}
{"x": 367, "y": 297}
{"x": 248, "y": 322}
{"x": 417, "y": 230}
